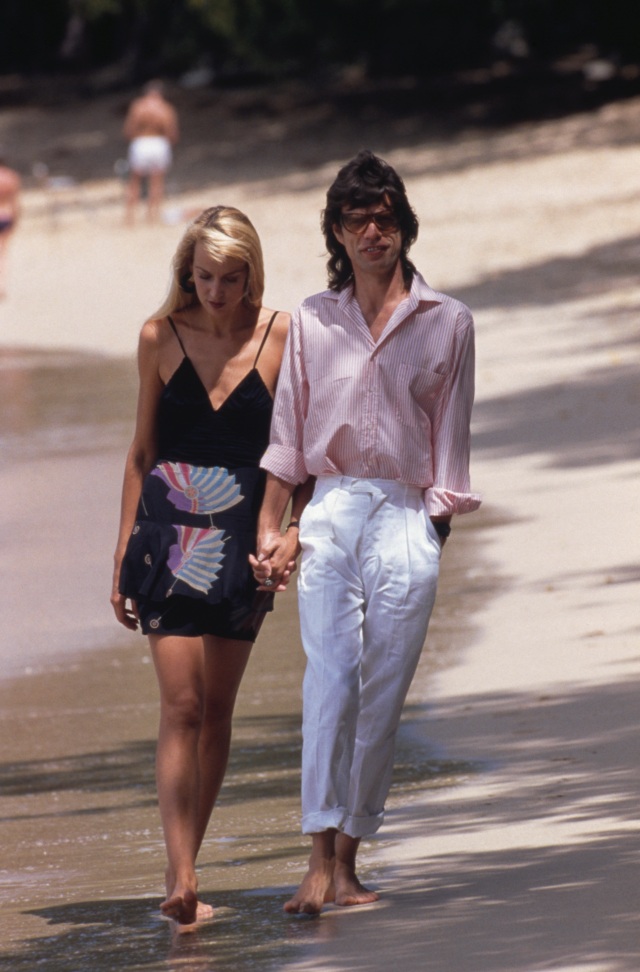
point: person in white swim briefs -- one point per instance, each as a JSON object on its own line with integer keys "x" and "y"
{"x": 151, "y": 127}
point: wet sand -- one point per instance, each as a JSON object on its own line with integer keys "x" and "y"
{"x": 511, "y": 842}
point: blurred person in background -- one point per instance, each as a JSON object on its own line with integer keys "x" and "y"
{"x": 151, "y": 128}
{"x": 9, "y": 212}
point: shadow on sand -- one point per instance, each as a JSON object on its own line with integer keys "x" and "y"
{"x": 590, "y": 417}
{"x": 485, "y": 907}
{"x": 479, "y": 909}
{"x": 598, "y": 270}
{"x": 249, "y": 931}
{"x": 566, "y": 422}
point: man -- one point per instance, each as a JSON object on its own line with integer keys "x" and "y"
{"x": 9, "y": 212}
{"x": 374, "y": 400}
{"x": 151, "y": 126}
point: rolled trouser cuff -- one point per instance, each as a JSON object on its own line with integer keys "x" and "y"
{"x": 339, "y": 819}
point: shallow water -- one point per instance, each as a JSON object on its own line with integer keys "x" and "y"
{"x": 82, "y": 850}
{"x": 61, "y": 403}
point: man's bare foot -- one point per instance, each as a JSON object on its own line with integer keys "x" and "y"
{"x": 349, "y": 891}
{"x": 181, "y": 907}
{"x": 316, "y": 890}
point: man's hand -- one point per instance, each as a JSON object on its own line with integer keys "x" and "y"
{"x": 275, "y": 560}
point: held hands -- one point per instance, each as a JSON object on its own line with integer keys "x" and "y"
{"x": 275, "y": 560}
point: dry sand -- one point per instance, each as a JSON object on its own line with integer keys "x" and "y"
{"x": 522, "y": 853}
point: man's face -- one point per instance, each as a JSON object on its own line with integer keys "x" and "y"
{"x": 373, "y": 244}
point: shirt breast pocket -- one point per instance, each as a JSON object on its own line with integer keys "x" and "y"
{"x": 418, "y": 391}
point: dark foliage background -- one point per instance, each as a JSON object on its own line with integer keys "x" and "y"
{"x": 247, "y": 38}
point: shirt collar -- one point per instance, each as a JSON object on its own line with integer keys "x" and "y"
{"x": 420, "y": 293}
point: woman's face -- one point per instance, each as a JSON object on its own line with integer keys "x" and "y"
{"x": 220, "y": 285}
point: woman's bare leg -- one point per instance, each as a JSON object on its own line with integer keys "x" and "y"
{"x": 225, "y": 661}
{"x": 199, "y": 680}
{"x": 179, "y": 664}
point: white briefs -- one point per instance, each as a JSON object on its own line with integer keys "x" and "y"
{"x": 149, "y": 153}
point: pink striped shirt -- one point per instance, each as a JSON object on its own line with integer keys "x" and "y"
{"x": 397, "y": 409}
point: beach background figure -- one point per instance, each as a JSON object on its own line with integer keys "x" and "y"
{"x": 9, "y": 215}
{"x": 516, "y": 788}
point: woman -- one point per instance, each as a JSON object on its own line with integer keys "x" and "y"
{"x": 208, "y": 365}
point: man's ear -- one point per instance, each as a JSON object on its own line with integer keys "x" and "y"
{"x": 337, "y": 232}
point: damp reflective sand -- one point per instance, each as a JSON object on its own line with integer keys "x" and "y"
{"x": 82, "y": 850}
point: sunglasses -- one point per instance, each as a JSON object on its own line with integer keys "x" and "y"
{"x": 385, "y": 221}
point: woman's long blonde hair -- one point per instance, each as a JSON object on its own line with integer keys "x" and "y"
{"x": 224, "y": 232}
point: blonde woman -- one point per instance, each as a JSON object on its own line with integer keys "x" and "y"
{"x": 208, "y": 364}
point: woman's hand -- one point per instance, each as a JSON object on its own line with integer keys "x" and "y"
{"x": 128, "y": 616}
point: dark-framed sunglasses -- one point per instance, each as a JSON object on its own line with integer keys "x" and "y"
{"x": 385, "y": 221}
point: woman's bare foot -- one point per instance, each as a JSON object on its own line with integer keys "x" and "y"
{"x": 177, "y": 904}
{"x": 204, "y": 912}
{"x": 181, "y": 907}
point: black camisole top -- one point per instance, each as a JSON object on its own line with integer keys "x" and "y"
{"x": 190, "y": 429}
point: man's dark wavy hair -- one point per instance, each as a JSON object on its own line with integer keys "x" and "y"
{"x": 365, "y": 181}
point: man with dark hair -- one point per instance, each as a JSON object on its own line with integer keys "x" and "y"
{"x": 366, "y": 181}
{"x": 374, "y": 401}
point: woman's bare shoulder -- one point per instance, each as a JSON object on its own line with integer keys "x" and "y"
{"x": 281, "y": 321}
{"x": 155, "y": 346}
{"x": 155, "y": 333}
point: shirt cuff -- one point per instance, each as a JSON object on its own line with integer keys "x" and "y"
{"x": 444, "y": 502}
{"x": 285, "y": 463}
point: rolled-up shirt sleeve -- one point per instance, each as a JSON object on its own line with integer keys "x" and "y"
{"x": 451, "y": 439}
{"x": 284, "y": 457}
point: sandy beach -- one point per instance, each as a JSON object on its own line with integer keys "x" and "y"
{"x": 512, "y": 840}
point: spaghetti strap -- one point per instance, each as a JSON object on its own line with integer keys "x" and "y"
{"x": 175, "y": 331}
{"x": 265, "y": 336}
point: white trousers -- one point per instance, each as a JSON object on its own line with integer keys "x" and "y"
{"x": 367, "y": 585}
